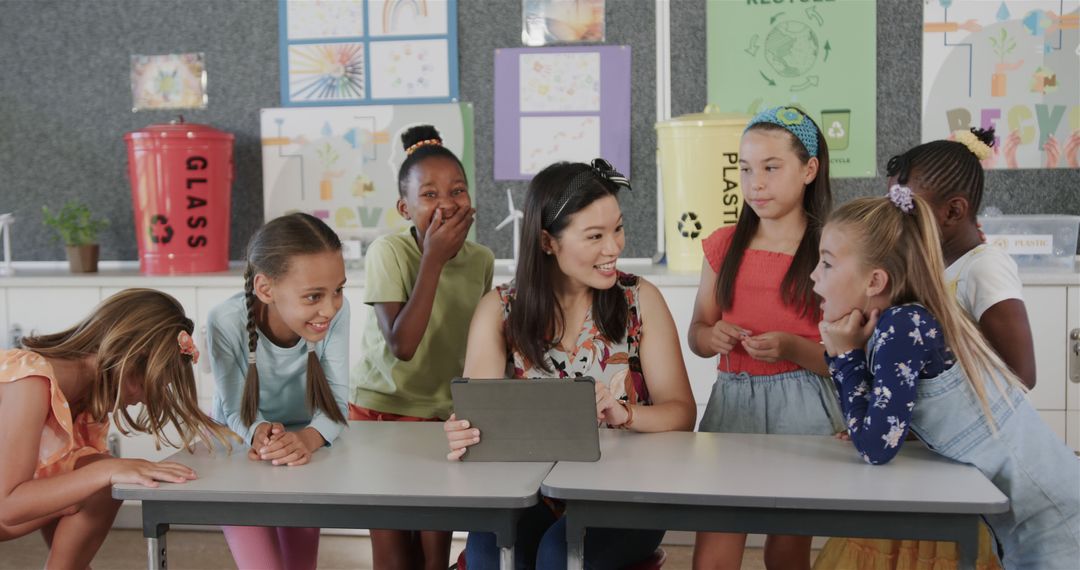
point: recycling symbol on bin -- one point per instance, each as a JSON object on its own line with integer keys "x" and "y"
{"x": 836, "y": 130}
{"x": 162, "y": 236}
{"x": 689, "y": 226}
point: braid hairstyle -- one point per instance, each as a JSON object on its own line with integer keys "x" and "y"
{"x": 420, "y": 143}
{"x": 268, "y": 253}
{"x": 796, "y": 289}
{"x": 943, "y": 169}
{"x": 907, "y": 247}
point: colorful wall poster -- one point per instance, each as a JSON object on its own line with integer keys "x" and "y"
{"x": 564, "y": 103}
{"x": 341, "y": 52}
{"x": 549, "y": 22}
{"x": 1014, "y": 66}
{"x": 819, "y": 57}
{"x": 340, "y": 164}
{"x": 173, "y": 81}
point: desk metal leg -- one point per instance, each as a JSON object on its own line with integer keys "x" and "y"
{"x": 505, "y": 537}
{"x": 155, "y": 550}
{"x": 154, "y": 531}
{"x": 575, "y": 545}
{"x": 968, "y": 549}
{"x": 506, "y": 558}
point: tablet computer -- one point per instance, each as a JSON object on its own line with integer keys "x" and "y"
{"x": 544, "y": 419}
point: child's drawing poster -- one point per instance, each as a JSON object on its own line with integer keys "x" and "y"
{"x": 560, "y": 82}
{"x": 555, "y": 104}
{"x": 1014, "y": 66}
{"x": 340, "y": 164}
{"x": 326, "y": 72}
{"x": 321, "y": 19}
{"x": 548, "y": 139}
{"x": 409, "y": 70}
{"x": 408, "y": 17}
{"x": 820, "y": 57}
{"x": 174, "y": 81}
{"x": 337, "y": 52}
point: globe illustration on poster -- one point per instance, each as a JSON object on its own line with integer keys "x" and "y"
{"x": 791, "y": 48}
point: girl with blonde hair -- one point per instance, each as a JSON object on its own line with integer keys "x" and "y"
{"x": 57, "y": 395}
{"x": 905, "y": 357}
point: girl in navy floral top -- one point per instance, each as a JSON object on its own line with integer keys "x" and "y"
{"x": 904, "y": 356}
{"x": 878, "y": 399}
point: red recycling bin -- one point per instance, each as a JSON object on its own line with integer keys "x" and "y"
{"x": 181, "y": 183}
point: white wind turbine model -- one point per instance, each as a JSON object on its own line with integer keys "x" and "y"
{"x": 5, "y": 231}
{"x": 515, "y": 217}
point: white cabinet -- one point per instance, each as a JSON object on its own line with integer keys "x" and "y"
{"x": 43, "y": 311}
{"x": 358, "y": 313}
{"x": 1054, "y": 311}
{"x": 1045, "y": 306}
{"x": 702, "y": 371}
{"x": 1056, "y": 420}
{"x": 1072, "y": 429}
{"x": 1072, "y": 383}
{"x": 1068, "y": 345}
{"x": 5, "y": 331}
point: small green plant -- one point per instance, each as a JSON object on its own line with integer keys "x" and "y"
{"x": 74, "y": 223}
{"x": 1003, "y": 45}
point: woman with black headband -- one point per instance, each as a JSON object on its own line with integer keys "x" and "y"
{"x": 569, "y": 312}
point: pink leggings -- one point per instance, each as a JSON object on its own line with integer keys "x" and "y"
{"x": 273, "y": 547}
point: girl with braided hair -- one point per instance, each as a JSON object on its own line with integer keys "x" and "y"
{"x": 984, "y": 279}
{"x": 279, "y": 354}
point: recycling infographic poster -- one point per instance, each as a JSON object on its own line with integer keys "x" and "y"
{"x": 820, "y": 57}
{"x": 1014, "y": 66}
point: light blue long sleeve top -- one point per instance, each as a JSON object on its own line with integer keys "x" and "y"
{"x": 282, "y": 372}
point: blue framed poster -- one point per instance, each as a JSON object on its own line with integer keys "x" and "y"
{"x": 360, "y": 52}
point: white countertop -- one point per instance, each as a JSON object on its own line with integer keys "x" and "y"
{"x": 126, "y": 274}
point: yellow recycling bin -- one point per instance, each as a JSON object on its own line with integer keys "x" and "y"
{"x": 698, "y": 156}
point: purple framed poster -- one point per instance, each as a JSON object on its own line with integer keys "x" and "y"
{"x": 564, "y": 103}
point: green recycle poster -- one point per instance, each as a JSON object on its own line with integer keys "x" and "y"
{"x": 820, "y": 56}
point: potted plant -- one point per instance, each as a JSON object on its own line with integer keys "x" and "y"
{"x": 78, "y": 230}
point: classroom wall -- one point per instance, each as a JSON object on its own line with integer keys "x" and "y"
{"x": 63, "y": 112}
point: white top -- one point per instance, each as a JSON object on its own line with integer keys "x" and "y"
{"x": 282, "y": 372}
{"x": 982, "y": 278}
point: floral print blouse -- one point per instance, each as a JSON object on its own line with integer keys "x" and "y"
{"x": 614, "y": 363}
{"x": 877, "y": 394}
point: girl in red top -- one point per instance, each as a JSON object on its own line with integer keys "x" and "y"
{"x": 756, "y": 309}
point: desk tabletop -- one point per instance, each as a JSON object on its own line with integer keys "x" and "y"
{"x": 371, "y": 463}
{"x": 773, "y": 471}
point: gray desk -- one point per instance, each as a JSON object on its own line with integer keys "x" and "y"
{"x": 808, "y": 485}
{"x": 390, "y": 475}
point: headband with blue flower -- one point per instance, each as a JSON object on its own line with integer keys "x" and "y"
{"x": 795, "y": 121}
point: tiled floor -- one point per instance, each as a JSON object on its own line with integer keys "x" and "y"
{"x": 192, "y": 550}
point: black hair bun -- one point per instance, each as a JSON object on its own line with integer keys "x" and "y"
{"x": 419, "y": 133}
{"x": 985, "y": 135}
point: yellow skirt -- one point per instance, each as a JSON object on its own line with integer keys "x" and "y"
{"x": 881, "y": 554}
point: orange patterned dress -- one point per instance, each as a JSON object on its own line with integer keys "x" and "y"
{"x": 64, "y": 440}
